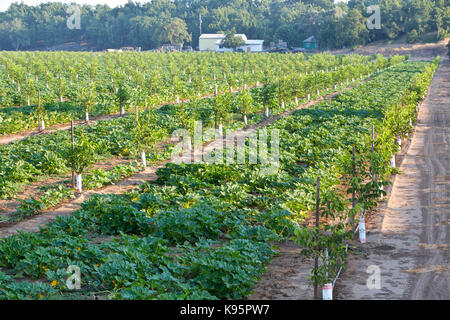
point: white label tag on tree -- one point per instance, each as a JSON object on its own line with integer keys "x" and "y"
{"x": 144, "y": 159}
{"x": 327, "y": 291}
{"x": 79, "y": 183}
{"x": 381, "y": 195}
{"x": 362, "y": 230}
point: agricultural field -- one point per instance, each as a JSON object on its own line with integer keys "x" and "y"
{"x": 330, "y": 125}
{"x": 49, "y": 155}
{"x": 59, "y": 87}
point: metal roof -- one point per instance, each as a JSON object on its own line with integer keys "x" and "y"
{"x": 247, "y": 42}
{"x": 220, "y": 36}
{"x": 254, "y": 42}
{"x": 310, "y": 39}
{"x": 212, "y": 36}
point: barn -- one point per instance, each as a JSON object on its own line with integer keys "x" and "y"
{"x": 212, "y": 42}
{"x": 310, "y": 44}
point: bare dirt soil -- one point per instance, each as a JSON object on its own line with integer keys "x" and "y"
{"x": 286, "y": 277}
{"x": 410, "y": 244}
{"x": 418, "y": 51}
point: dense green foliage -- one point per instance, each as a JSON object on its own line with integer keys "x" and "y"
{"x": 166, "y": 21}
{"x": 25, "y": 160}
{"x": 103, "y": 84}
{"x": 203, "y": 231}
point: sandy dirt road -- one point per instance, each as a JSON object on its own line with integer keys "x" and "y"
{"x": 410, "y": 245}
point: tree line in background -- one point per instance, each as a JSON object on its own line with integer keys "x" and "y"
{"x": 160, "y": 22}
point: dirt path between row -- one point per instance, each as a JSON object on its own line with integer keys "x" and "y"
{"x": 410, "y": 245}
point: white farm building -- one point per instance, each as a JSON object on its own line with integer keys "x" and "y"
{"x": 212, "y": 42}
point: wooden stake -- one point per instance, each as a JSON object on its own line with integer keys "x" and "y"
{"x": 353, "y": 175}
{"x": 316, "y": 259}
{"x": 373, "y": 148}
{"x": 73, "y": 147}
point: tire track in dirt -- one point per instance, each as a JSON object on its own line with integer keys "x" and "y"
{"x": 430, "y": 283}
{"x": 411, "y": 244}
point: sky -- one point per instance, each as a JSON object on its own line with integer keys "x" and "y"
{"x": 4, "y": 4}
